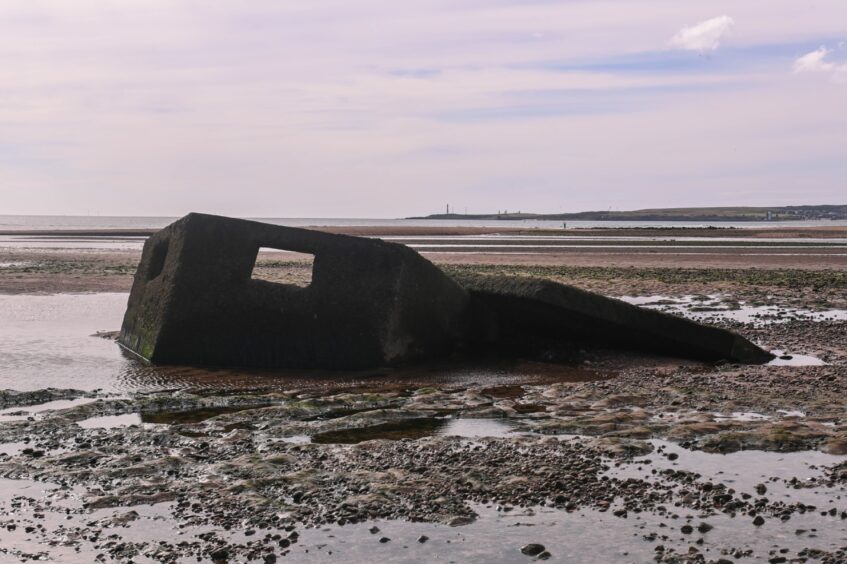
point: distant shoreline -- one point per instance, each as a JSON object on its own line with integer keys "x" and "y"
{"x": 765, "y": 231}
{"x": 712, "y": 214}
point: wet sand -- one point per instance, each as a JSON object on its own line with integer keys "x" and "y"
{"x": 49, "y": 270}
{"x": 49, "y": 267}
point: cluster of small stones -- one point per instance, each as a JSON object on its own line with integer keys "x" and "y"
{"x": 14, "y": 398}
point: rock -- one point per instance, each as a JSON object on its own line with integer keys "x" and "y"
{"x": 532, "y": 549}
{"x": 761, "y": 489}
{"x": 384, "y": 540}
{"x": 759, "y": 521}
{"x": 422, "y": 539}
{"x": 835, "y": 445}
{"x": 687, "y": 529}
{"x": 461, "y": 520}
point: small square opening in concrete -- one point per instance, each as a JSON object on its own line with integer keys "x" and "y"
{"x": 283, "y": 267}
{"x": 157, "y": 259}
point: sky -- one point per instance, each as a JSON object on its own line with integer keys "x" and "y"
{"x": 380, "y": 108}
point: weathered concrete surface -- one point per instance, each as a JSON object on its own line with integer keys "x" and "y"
{"x": 370, "y": 303}
{"x": 518, "y": 311}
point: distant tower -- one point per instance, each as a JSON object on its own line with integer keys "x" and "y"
{"x": 448, "y": 209}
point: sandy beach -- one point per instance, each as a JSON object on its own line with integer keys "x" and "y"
{"x": 678, "y": 461}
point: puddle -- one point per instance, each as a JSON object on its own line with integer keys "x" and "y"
{"x": 742, "y": 471}
{"x": 418, "y": 429}
{"x": 48, "y": 522}
{"x": 14, "y": 448}
{"x": 742, "y": 416}
{"x": 585, "y": 536}
{"x": 111, "y": 421}
{"x": 720, "y": 307}
{"x": 474, "y": 428}
{"x": 790, "y": 359}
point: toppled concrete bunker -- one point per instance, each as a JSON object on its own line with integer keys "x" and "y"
{"x": 370, "y": 303}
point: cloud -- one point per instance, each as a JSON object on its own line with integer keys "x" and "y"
{"x": 814, "y": 61}
{"x": 817, "y": 62}
{"x": 704, "y": 36}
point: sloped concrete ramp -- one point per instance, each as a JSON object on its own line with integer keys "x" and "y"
{"x": 515, "y": 310}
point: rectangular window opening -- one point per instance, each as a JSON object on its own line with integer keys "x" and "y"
{"x": 283, "y": 267}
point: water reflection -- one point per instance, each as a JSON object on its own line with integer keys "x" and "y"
{"x": 46, "y": 341}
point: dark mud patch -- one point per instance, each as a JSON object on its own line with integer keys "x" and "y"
{"x": 525, "y": 408}
{"x": 504, "y": 392}
{"x": 336, "y": 414}
{"x": 189, "y": 416}
{"x": 394, "y": 431}
{"x": 419, "y": 428}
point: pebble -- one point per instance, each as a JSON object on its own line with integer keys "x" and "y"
{"x": 532, "y": 549}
